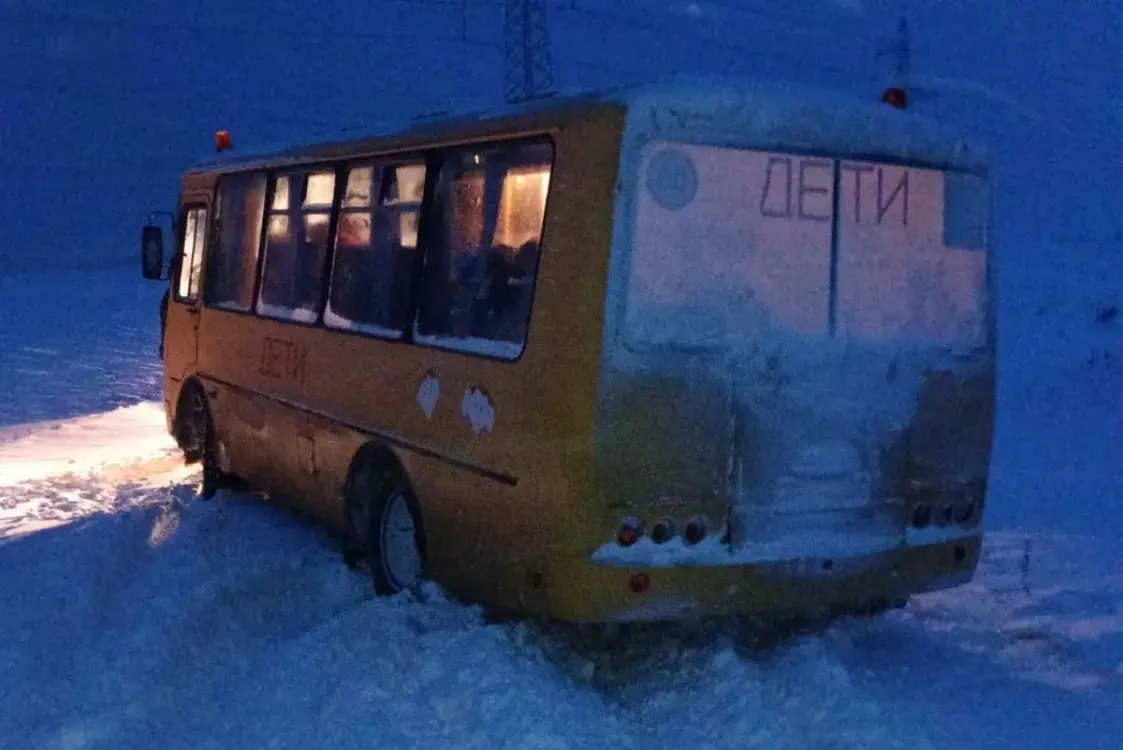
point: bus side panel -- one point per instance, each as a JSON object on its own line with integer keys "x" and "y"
{"x": 498, "y": 502}
{"x": 253, "y": 432}
{"x": 181, "y": 332}
{"x": 264, "y": 414}
{"x": 457, "y": 508}
{"x": 567, "y": 330}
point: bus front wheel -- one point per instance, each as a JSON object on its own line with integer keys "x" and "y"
{"x": 195, "y": 434}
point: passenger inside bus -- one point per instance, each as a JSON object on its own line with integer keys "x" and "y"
{"x": 374, "y": 257}
{"x": 481, "y": 264}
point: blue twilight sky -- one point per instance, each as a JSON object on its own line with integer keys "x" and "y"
{"x": 104, "y": 103}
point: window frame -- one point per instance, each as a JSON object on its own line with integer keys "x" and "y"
{"x": 434, "y": 157}
{"x": 429, "y": 222}
{"x": 328, "y": 261}
{"x": 212, "y": 242}
{"x": 378, "y": 164}
{"x": 191, "y": 300}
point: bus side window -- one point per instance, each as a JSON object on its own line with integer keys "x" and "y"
{"x": 232, "y": 263}
{"x": 375, "y": 248}
{"x": 296, "y": 242}
{"x": 189, "y": 262}
{"x": 482, "y": 258}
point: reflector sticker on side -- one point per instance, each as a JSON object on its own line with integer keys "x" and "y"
{"x": 476, "y": 407}
{"x": 428, "y": 393}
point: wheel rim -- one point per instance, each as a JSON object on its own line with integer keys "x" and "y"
{"x": 401, "y": 559}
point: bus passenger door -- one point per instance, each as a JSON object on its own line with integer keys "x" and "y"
{"x": 181, "y": 328}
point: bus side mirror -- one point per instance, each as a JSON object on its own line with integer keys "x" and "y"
{"x": 152, "y": 253}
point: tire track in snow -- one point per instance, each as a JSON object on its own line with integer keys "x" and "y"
{"x": 718, "y": 685}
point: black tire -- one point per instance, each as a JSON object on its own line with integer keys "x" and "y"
{"x": 191, "y": 419}
{"x": 196, "y": 436}
{"x": 376, "y": 498}
{"x": 213, "y": 478}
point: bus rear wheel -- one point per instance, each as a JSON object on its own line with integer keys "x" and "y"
{"x": 383, "y": 516}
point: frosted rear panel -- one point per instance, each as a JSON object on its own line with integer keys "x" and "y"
{"x": 727, "y": 241}
{"x": 729, "y": 244}
{"x": 909, "y": 266}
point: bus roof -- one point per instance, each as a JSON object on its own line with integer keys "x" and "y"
{"x": 742, "y": 110}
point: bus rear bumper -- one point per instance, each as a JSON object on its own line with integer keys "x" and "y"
{"x": 580, "y": 591}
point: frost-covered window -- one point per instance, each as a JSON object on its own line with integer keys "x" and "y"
{"x": 481, "y": 260}
{"x": 189, "y": 264}
{"x": 376, "y": 248}
{"x": 727, "y": 243}
{"x": 296, "y": 240}
{"x": 731, "y": 246}
{"x": 912, "y": 258}
{"x": 232, "y": 265}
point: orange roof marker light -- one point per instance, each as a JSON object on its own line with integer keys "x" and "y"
{"x": 896, "y": 96}
{"x": 222, "y": 141}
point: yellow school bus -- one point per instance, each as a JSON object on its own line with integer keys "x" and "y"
{"x": 683, "y": 349}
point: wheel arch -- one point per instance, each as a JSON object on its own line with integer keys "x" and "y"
{"x": 189, "y": 388}
{"x": 377, "y": 455}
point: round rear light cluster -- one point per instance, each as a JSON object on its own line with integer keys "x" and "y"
{"x": 695, "y": 531}
{"x": 963, "y": 511}
{"x": 629, "y": 533}
{"x": 921, "y": 516}
{"x": 631, "y": 530}
{"x": 663, "y": 531}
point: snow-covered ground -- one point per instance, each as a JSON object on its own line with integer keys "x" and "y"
{"x": 133, "y": 615}
{"x": 76, "y": 342}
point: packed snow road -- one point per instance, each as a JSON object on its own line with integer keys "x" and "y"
{"x": 133, "y": 615}
{"x": 137, "y": 616}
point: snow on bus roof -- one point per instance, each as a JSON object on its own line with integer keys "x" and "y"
{"x": 417, "y": 126}
{"x": 790, "y": 116}
{"x": 744, "y": 110}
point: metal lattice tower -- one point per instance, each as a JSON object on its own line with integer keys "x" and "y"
{"x": 899, "y": 91}
{"x": 529, "y": 64}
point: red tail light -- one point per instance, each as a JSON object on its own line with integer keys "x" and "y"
{"x": 695, "y": 531}
{"x": 663, "y": 531}
{"x": 628, "y": 534}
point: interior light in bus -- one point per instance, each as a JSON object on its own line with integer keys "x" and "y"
{"x": 522, "y": 206}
